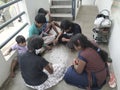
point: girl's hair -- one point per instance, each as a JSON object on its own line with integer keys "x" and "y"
{"x": 40, "y": 18}
{"x": 65, "y": 24}
{"x": 20, "y": 39}
{"x": 42, "y": 11}
{"x": 35, "y": 42}
{"x": 80, "y": 39}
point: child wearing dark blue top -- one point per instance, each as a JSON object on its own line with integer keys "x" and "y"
{"x": 69, "y": 29}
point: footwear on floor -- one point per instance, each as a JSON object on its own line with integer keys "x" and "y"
{"x": 112, "y": 81}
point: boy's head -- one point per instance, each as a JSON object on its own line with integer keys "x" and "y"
{"x": 21, "y": 40}
{"x": 42, "y": 11}
{"x": 35, "y": 42}
{"x": 66, "y": 25}
{"x": 40, "y": 20}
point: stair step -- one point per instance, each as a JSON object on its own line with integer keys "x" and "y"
{"x": 61, "y": 9}
{"x": 61, "y": 15}
{"x": 61, "y": 6}
{"x": 61, "y": 2}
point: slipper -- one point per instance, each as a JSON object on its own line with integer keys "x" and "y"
{"x": 112, "y": 81}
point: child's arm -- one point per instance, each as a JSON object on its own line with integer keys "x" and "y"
{"x": 75, "y": 61}
{"x": 48, "y": 28}
{"x": 49, "y": 68}
{"x": 56, "y": 24}
{"x": 8, "y": 52}
{"x": 65, "y": 39}
{"x": 56, "y": 40}
{"x": 50, "y": 19}
{"x": 79, "y": 65}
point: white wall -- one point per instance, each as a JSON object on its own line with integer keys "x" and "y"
{"x": 114, "y": 42}
{"x": 5, "y": 66}
{"x": 114, "y": 45}
{"x": 88, "y": 2}
{"x": 32, "y": 9}
{"x": 104, "y": 4}
{"x": 3, "y": 75}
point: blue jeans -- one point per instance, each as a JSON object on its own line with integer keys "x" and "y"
{"x": 76, "y": 79}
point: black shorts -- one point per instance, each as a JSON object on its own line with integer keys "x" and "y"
{"x": 63, "y": 36}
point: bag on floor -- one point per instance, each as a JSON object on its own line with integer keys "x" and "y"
{"x": 102, "y": 19}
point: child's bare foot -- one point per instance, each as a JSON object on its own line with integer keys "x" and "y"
{"x": 12, "y": 74}
{"x": 48, "y": 47}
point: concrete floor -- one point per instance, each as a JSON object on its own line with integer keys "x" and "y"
{"x": 61, "y": 54}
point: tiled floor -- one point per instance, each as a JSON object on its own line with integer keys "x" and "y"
{"x": 85, "y": 18}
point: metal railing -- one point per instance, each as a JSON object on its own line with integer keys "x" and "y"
{"x": 9, "y": 4}
{"x": 73, "y": 8}
{"x": 6, "y": 41}
{"x": 10, "y": 21}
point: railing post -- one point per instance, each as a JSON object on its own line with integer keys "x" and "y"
{"x": 73, "y": 8}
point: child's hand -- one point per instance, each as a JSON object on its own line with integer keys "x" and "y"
{"x": 7, "y": 53}
{"x": 75, "y": 62}
{"x": 55, "y": 41}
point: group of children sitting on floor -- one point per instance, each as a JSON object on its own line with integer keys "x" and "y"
{"x": 39, "y": 74}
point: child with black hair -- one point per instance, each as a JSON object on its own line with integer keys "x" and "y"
{"x": 69, "y": 29}
{"x": 88, "y": 70}
{"x": 40, "y": 27}
{"x": 21, "y": 48}
{"x": 37, "y": 72}
{"x": 45, "y": 12}
{"x": 52, "y": 24}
